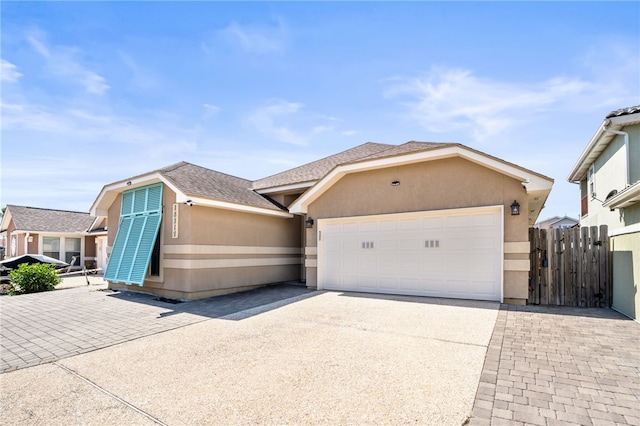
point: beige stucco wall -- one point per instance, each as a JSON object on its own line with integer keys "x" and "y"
{"x": 435, "y": 185}
{"x": 625, "y": 254}
{"x": 219, "y": 251}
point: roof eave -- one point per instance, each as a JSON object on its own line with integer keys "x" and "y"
{"x": 291, "y": 188}
{"x": 598, "y": 143}
{"x": 626, "y": 198}
{"x": 226, "y": 205}
{"x": 109, "y": 193}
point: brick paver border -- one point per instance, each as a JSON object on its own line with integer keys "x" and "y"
{"x": 560, "y": 366}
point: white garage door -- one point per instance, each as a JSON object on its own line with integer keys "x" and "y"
{"x": 452, "y": 253}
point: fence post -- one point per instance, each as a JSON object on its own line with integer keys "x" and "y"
{"x": 604, "y": 267}
{"x": 584, "y": 266}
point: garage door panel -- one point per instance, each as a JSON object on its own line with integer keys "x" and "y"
{"x": 409, "y": 224}
{"x": 458, "y": 254}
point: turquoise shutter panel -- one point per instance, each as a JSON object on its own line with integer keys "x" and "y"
{"x": 140, "y": 219}
{"x": 118, "y": 249}
{"x": 148, "y": 235}
{"x": 154, "y": 198}
{"x": 127, "y": 203}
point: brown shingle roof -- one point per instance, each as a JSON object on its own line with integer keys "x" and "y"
{"x": 316, "y": 170}
{"x": 49, "y": 220}
{"x": 199, "y": 181}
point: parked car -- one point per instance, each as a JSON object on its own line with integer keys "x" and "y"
{"x": 8, "y": 264}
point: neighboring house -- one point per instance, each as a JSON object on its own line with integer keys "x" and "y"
{"x": 430, "y": 219}
{"x": 608, "y": 172}
{"x": 56, "y": 233}
{"x": 557, "y": 222}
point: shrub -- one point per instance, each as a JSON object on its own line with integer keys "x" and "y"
{"x": 33, "y": 278}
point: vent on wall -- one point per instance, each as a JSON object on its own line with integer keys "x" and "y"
{"x": 432, "y": 244}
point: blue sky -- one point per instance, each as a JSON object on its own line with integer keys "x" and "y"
{"x": 96, "y": 92}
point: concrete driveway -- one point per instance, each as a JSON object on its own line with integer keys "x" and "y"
{"x": 316, "y": 358}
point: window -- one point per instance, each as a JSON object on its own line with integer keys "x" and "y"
{"x": 72, "y": 248}
{"x": 154, "y": 265}
{"x": 140, "y": 218}
{"x": 592, "y": 181}
{"x": 51, "y": 247}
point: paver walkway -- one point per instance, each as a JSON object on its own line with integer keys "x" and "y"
{"x": 43, "y": 327}
{"x": 560, "y": 365}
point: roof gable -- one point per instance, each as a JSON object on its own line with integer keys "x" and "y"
{"x": 35, "y": 219}
{"x": 538, "y": 186}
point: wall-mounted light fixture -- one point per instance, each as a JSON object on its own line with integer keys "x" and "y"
{"x": 395, "y": 183}
{"x": 308, "y": 223}
{"x": 515, "y": 208}
{"x": 189, "y": 203}
{"x": 129, "y": 183}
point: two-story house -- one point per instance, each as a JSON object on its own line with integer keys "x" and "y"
{"x": 608, "y": 171}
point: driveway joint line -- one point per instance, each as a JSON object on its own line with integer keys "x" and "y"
{"x": 110, "y": 394}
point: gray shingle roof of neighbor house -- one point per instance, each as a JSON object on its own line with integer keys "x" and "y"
{"x": 48, "y": 220}
{"x": 624, "y": 111}
{"x": 317, "y": 169}
{"x": 200, "y": 181}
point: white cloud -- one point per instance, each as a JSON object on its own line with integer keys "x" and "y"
{"x": 9, "y": 72}
{"x": 287, "y": 122}
{"x": 211, "y": 109}
{"x": 140, "y": 77}
{"x": 65, "y": 62}
{"x": 455, "y": 99}
{"x": 349, "y": 132}
{"x": 256, "y": 39}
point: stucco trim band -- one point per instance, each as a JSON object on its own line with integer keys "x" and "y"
{"x": 228, "y": 263}
{"x": 220, "y": 249}
{"x": 516, "y": 265}
{"x": 516, "y": 247}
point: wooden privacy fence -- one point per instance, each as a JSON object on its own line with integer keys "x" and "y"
{"x": 570, "y": 267}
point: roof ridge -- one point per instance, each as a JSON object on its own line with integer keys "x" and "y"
{"x": 175, "y": 166}
{"x": 320, "y": 161}
{"x": 47, "y": 209}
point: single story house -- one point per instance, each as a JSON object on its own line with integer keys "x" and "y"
{"x": 557, "y": 222}
{"x": 56, "y": 233}
{"x": 608, "y": 172}
{"x": 430, "y": 219}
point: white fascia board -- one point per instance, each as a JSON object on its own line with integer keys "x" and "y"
{"x": 286, "y": 188}
{"x": 108, "y": 194}
{"x": 629, "y": 229}
{"x": 199, "y": 201}
{"x": 52, "y": 234}
{"x": 532, "y": 181}
{"x": 598, "y": 143}
{"x": 579, "y": 169}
